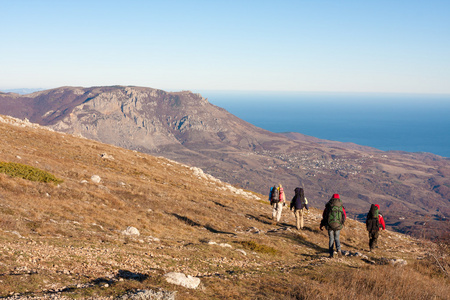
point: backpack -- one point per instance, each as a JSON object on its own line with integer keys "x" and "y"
{"x": 275, "y": 195}
{"x": 335, "y": 214}
{"x": 373, "y": 212}
{"x": 372, "y": 222}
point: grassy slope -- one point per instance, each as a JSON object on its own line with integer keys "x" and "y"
{"x": 66, "y": 239}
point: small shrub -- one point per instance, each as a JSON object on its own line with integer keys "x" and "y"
{"x": 253, "y": 246}
{"x": 27, "y": 172}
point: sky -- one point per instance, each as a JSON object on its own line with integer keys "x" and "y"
{"x": 381, "y": 46}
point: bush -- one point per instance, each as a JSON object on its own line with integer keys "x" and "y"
{"x": 27, "y": 172}
{"x": 251, "y": 245}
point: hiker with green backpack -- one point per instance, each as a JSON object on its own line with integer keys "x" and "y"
{"x": 333, "y": 219}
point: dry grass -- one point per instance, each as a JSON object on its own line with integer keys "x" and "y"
{"x": 379, "y": 282}
{"x": 67, "y": 237}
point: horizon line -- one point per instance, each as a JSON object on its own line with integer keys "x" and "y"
{"x": 7, "y": 90}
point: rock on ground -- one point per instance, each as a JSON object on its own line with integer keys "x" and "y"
{"x": 148, "y": 294}
{"x": 183, "y": 280}
{"x": 131, "y": 231}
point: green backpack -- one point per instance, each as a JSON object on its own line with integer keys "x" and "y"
{"x": 373, "y": 212}
{"x": 335, "y": 214}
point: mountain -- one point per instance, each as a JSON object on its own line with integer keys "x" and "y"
{"x": 21, "y": 91}
{"x": 413, "y": 189}
{"x": 82, "y": 219}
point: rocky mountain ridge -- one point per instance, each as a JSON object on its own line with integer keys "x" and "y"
{"x": 412, "y": 188}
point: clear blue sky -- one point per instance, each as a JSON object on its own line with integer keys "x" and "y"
{"x": 303, "y": 45}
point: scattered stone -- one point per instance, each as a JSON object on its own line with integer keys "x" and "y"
{"x": 131, "y": 231}
{"x": 106, "y": 156}
{"x": 101, "y": 227}
{"x": 398, "y": 262}
{"x": 241, "y": 251}
{"x": 183, "y": 280}
{"x": 225, "y": 186}
{"x": 84, "y": 181}
{"x": 225, "y": 245}
{"x": 17, "y": 233}
{"x": 254, "y": 230}
{"x": 148, "y": 294}
{"x": 349, "y": 253}
{"x": 153, "y": 239}
{"x": 96, "y": 179}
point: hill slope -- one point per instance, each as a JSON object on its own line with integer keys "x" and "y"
{"x": 413, "y": 189}
{"x": 67, "y": 239}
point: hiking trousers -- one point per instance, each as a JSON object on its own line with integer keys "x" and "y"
{"x": 334, "y": 239}
{"x": 373, "y": 238}
{"x": 276, "y": 211}
{"x": 299, "y": 217}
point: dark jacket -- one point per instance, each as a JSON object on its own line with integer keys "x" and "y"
{"x": 324, "y": 222}
{"x": 374, "y": 220}
{"x": 299, "y": 200}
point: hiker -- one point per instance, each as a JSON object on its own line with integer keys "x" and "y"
{"x": 374, "y": 222}
{"x": 333, "y": 219}
{"x": 277, "y": 200}
{"x": 299, "y": 203}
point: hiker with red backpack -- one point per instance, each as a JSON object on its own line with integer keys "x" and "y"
{"x": 333, "y": 219}
{"x": 374, "y": 223}
{"x": 299, "y": 203}
{"x": 277, "y": 199}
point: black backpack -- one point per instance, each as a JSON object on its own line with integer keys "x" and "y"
{"x": 275, "y": 195}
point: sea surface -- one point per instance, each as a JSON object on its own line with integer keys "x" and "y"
{"x": 405, "y": 122}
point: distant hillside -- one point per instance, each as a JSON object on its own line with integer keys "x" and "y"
{"x": 69, "y": 238}
{"x": 412, "y": 189}
{"x": 22, "y": 91}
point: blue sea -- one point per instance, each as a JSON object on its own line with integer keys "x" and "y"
{"x": 406, "y": 122}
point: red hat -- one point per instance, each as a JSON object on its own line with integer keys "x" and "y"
{"x": 336, "y": 196}
{"x": 377, "y": 206}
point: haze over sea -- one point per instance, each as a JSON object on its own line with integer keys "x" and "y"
{"x": 405, "y": 122}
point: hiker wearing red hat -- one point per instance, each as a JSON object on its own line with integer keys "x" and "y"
{"x": 374, "y": 223}
{"x": 333, "y": 219}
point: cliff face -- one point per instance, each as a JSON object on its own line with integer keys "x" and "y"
{"x": 411, "y": 188}
{"x": 133, "y": 117}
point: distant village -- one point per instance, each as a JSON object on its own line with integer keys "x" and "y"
{"x": 315, "y": 163}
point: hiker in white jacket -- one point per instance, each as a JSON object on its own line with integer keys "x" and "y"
{"x": 277, "y": 199}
